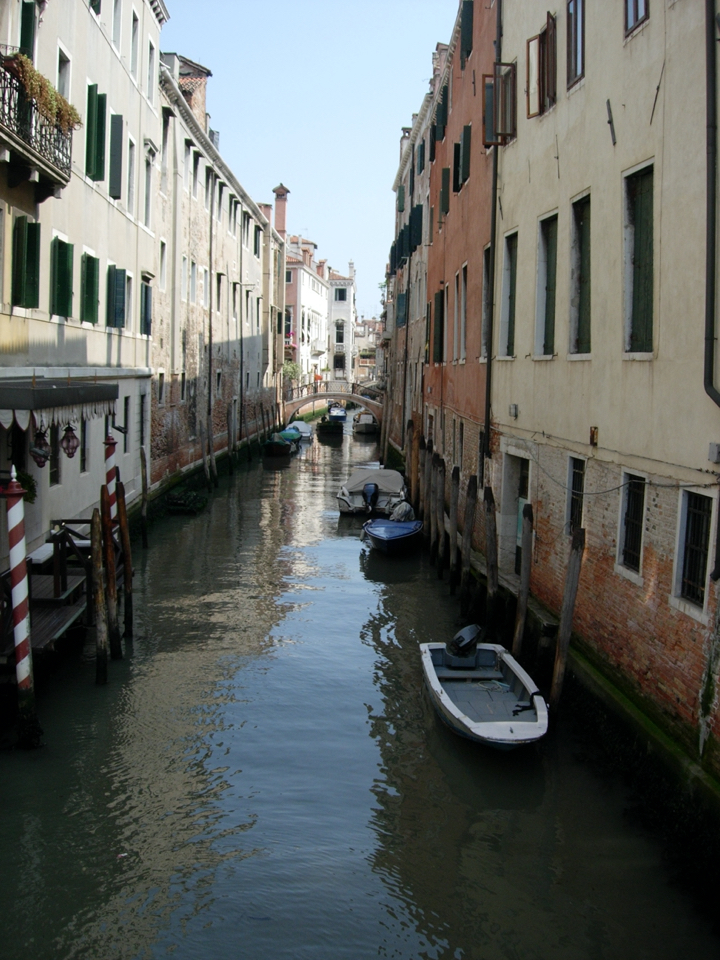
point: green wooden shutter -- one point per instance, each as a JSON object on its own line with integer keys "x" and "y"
{"x": 445, "y": 190}
{"x": 54, "y": 274}
{"x": 512, "y": 266}
{"x": 32, "y": 266}
{"x": 428, "y": 308}
{"x": 433, "y": 142}
{"x": 582, "y": 208}
{"x": 550, "y": 231}
{"x": 465, "y": 154}
{"x": 421, "y": 157}
{"x": 457, "y": 183}
{"x": 146, "y": 309}
{"x": 95, "y": 6}
{"x": 439, "y": 331}
{"x": 112, "y": 273}
{"x": 27, "y": 29}
{"x": 401, "y": 198}
{"x": 416, "y": 226}
{"x": 61, "y": 269}
{"x": 640, "y": 189}
{"x": 400, "y": 313}
{"x": 90, "y": 129}
{"x": 18, "y": 264}
{"x": 89, "y": 288}
{"x": 99, "y": 168}
{"x": 116, "y": 156}
{"x": 466, "y": 31}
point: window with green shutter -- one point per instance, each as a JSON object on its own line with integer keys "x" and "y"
{"x": 116, "y": 286}
{"x": 89, "y": 288}
{"x": 145, "y": 308}
{"x": 95, "y": 133}
{"x": 548, "y": 233}
{"x": 421, "y": 157}
{"x": 465, "y": 154}
{"x": 457, "y": 182}
{"x": 445, "y": 191}
{"x": 466, "y": 31}
{"x": 581, "y": 302}
{"x": 439, "y": 330}
{"x": 26, "y": 264}
{"x": 401, "y": 198}
{"x": 640, "y": 251}
{"x": 401, "y": 310}
{"x": 511, "y": 245}
{"x": 27, "y": 29}
{"x": 61, "y": 278}
{"x": 116, "y": 156}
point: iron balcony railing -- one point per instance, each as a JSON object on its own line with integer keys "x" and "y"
{"x": 20, "y": 116}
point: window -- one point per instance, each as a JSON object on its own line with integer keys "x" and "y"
{"x": 61, "y": 276}
{"x": 163, "y": 264}
{"x": 164, "y": 154}
{"x": 246, "y": 229}
{"x": 445, "y": 191}
{"x": 26, "y": 264}
{"x": 83, "y": 446}
{"x": 257, "y": 313}
{"x": 507, "y": 319}
{"x": 219, "y": 205}
{"x": 456, "y": 319}
{"x": 95, "y": 7}
{"x": 117, "y": 23}
{"x": 580, "y": 341}
{"x": 639, "y": 262}
{"x": 184, "y": 279}
{"x": 635, "y": 12}
{"x": 116, "y": 293}
{"x": 439, "y": 330}
{"x": 695, "y": 538}
{"x": 499, "y": 104}
{"x": 256, "y": 245}
{"x": 151, "y": 73}
{"x": 339, "y": 333}
{"x": 421, "y": 157}
{"x": 235, "y": 294}
{"x": 187, "y": 163}
{"x": 206, "y": 287}
{"x": 116, "y": 156}
{"x": 134, "y": 45}
{"x": 95, "y": 133}
{"x": 27, "y": 29}
{"x": 161, "y": 388}
{"x": 466, "y": 31}
{"x": 54, "y": 459}
{"x": 547, "y": 274}
{"x": 541, "y": 93}
{"x": 632, "y": 522}
{"x": 129, "y": 301}
{"x": 63, "y": 74}
{"x": 486, "y": 302}
{"x": 126, "y": 424}
{"x": 288, "y": 276}
{"x": 131, "y": 179}
{"x": 89, "y": 288}
{"x": 463, "y": 311}
{"x": 575, "y": 41}
{"x": 341, "y": 293}
{"x": 577, "y": 488}
{"x": 148, "y": 191}
{"x": 195, "y": 174}
{"x": 208, "y": 186}
{"x": 145, "y": 310}
{"x": 401, "y": 198}
{"x": 218, "y": 292}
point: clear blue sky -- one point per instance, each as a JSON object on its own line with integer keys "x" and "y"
{"x": 314, "y": 94}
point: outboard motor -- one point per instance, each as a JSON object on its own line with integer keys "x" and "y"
{"x": 465, "y": 641}
{"x": 370, "y": 494}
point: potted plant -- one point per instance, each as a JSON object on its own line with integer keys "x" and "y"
{"x": 50, "y": 104}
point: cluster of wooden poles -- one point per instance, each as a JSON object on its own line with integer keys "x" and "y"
{"x": 266, "y": 422}
{"x": 451, "y": 546}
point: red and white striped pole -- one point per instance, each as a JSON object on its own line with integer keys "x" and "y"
{"x": 110, "y": 444}
{"x": 28, "y": 726}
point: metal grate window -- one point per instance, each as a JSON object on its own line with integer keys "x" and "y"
{"x": 577, "y": 486}
{"x": 695, "y": 549}
{"x": 634, "y": 506}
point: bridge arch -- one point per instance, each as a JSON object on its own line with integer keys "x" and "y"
{"x": 326, "y": 390}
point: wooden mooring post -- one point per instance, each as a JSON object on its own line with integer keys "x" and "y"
{"x": 452, "y": 536}
{"x": 491, "y": 560}
{"x": 466, "y": 548}
{"x": 144, "y": 501}
{"x": 211, "y": 445}
{"x": 409, "y": 478}
{"x": 110, "y": 576}
{"x": 525, "y": 568}
{"x": 566, "y": 614}
{"x": 101, "y": 627}
{"x": 127, "y": 561}
{"x": 419, "y": 503}
{"x": 203, "y": 448}
{"x": 440, "y": 506}
{"x": 427, "y": 487}
{"x": 230, "y": 438}
{"x": 433, "y": 507}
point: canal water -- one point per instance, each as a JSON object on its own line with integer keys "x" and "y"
{"x": 264, "y": 777}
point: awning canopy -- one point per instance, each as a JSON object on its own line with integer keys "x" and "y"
{"x": 50, "y": 402}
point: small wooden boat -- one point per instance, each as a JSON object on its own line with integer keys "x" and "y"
{"x": 481, "y": 692}
{"x": 365, "y": 423}
{"x": 304, "y": 429}
{"x": 393, "y": 536}
{"x": 276, "y": 448}
{"x": 329, "y": 428}
{"x": 372, "y": 490}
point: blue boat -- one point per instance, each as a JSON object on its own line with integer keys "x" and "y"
{"x": 336, "y": 413}
{"x": 393, "y": 536}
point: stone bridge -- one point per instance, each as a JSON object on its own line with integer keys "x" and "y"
{"x": 326, "y": 390}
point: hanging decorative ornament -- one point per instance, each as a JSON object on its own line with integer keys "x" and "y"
{"x": 40, "y": 449}
{"x": 69, "y": 442}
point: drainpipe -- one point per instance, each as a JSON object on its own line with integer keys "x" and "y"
{"x": 493, "y": 247}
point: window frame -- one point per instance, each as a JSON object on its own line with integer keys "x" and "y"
{"x": 639, "y": 301}
{"x": 632, "y": 6}
{"x": 622, "y": 564}
{"x": 575, "y": 41}
{"x": 542, "y": 314}
{"x": 581, "y": 317}
{"x": 509, "y": 295}
{"x": 543, "y": 64}
{"x": 575, "y": 494}
{"x": 680, "y": 596}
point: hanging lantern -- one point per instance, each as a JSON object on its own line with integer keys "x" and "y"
{"x": 69, "y": 442}
{"x": 40, "y": 449}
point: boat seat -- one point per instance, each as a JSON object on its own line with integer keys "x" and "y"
{"x": 461, "y": 673}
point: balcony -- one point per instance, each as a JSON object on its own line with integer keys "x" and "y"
{"x": 318, "y": 347}
{"x": 36, "y": 149}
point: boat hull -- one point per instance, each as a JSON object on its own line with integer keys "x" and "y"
{"x": 393, "y": 537}
{"x": 489, "y": 698}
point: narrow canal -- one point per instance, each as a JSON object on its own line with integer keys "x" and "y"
{"x": 264, "y": 777}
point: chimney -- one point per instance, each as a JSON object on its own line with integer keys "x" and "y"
{"x": 281, "y": 193}
{"x": 266, "y": 209}
{"x": 192, "y": 80}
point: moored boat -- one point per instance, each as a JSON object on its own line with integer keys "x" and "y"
{"x": 304, "y": 429}
{"x": 372, "y": 490}
{"x": 365, "y": 423}
{"x": 393, "y": 536}
{"x": 481, "y": 692}
{"x": 336, "y": 413}
{"x": 276, "y": 448}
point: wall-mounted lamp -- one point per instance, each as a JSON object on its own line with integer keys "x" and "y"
{"x": 69, "y": 442}
{"x": 513, "y": 411}
{"x": 40, "y": 449}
